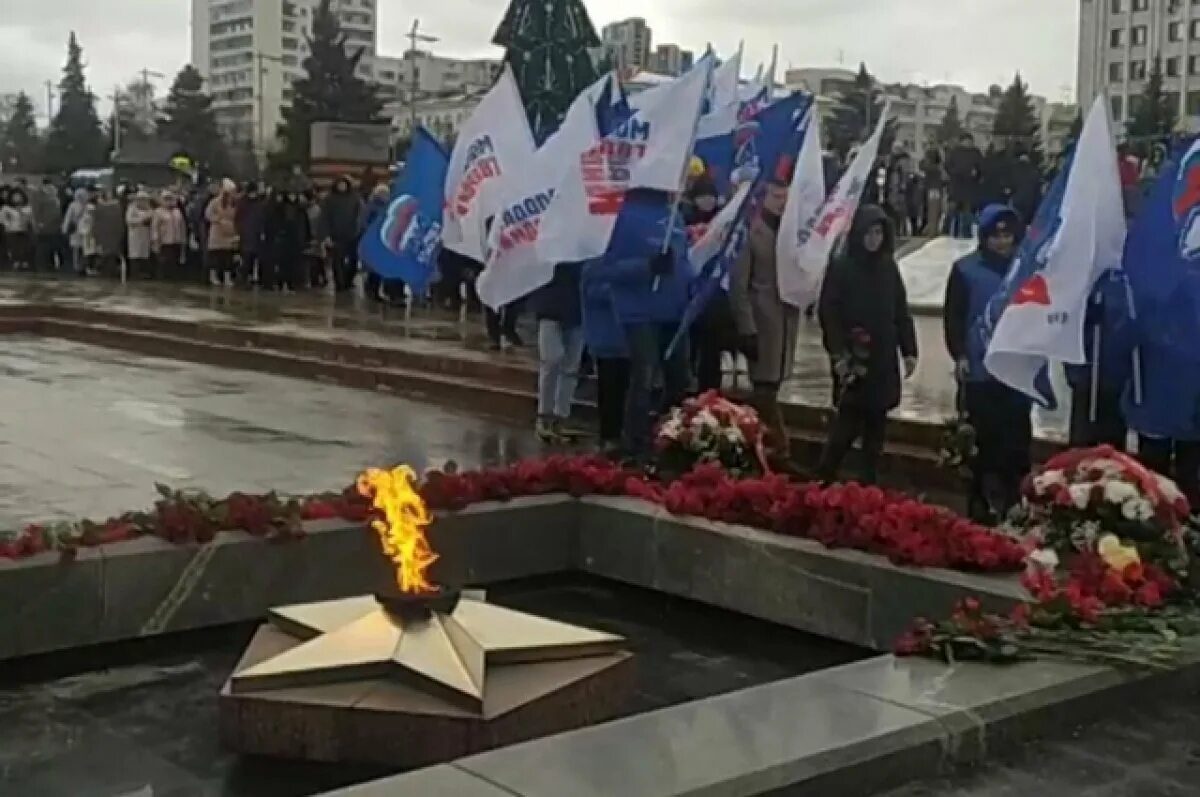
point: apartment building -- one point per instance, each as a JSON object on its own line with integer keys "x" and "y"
{"x": 1118, "y": 41}
{"x": 919, "y": 110}
{"x": 252, "y": 51}
{"x": 627, "y": 44}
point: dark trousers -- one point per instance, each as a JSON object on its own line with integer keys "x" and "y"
{"x": 1109, "y": 427}
{"x": 49, "y": 252}
{"x": 1175, "y": 459}
{"x": 1003, "y": 436}
{"x": 315, "y": 266}
{"x": 647, "y": 359}
{"x": 220, "y": 261}
{"x": 169, "y": 265}
{"x": 710, "y": 336}
{"x": 612, "y": 383}
{"x": 852, "y": 422}
{"x": 250, "y": 271}
{"x": 503, "y": 323}
{"x": 345, "y": 264}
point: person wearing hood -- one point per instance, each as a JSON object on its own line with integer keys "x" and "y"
{"x": 47, "y": 224}
{"x": 72, "y": 228}
{"x": 999, "y": 414}
{"x": 314, "y": 248}
{"x": 249, "y": 219}
{"x": 341, "y": 214}
{"x": 868, "y": 332}
{"x": 139, "y": 220}
{"x": 221, "y": 215}
{"x": 766, "y": 325}
{"x": 648, "y": 289}
{"x": 286, "y": 234}
{"x": 16, "y": 217}
{"x": 169, "y": 234}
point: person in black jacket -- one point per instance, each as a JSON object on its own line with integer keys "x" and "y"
{"x": 341, "y": 214}
{"x": 867, "y": 327}
{"x": 286, "y": 233}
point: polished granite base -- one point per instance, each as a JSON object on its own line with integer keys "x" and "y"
{"x": 149, "y": 719}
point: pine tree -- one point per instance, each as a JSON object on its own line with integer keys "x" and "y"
{"x": 1152, "y": 115}
{"x": 856, "y": 115}
{"x": 188, "y": 120}
{"x": 20, "y": 146}
{"x": 1016, "y": 127}
{"x": 951, "y": 128}
{"x": 76, "y": 140}
{"x": 547, "y": 43}
{"x": 330, "y": 90}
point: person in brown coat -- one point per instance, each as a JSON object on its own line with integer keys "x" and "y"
{"x": 766, "y": 325}
{"x": 867, "y": 328}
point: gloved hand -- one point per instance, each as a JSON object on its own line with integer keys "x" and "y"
{"x": 748, "y": 345}
{"x": 662, "y": 264}
{"x": 962, "y": 369}
{"x": 910, "y": 367}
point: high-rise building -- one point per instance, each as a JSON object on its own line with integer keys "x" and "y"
{"x": 671, "y": 59}
{"x": 627, "y": 44}
{"x": 252, "y": 51}
{"x": 1118, "y": 41}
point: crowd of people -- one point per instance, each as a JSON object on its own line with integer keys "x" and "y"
{"x": 219, "y": 233}
{"x": 622, "y": 313}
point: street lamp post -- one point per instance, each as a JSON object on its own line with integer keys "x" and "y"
{"x": 415, "y": 36}
{"x": 262, "y": 133}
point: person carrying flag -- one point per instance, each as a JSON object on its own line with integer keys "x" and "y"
{"x": 999, "y": 414}
{"x": 648, "y": 291}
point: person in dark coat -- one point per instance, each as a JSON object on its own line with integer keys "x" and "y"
{"x": 867, "y": 329}
{"x": 964, "y": 168}
{"x": 713, "y": 332}
{"x": 999, "y": 414}
{"x": 250, "y": 219}
{"x": 1026, "y": 185}
{"x": 340, "y": 215}
{"x": 286, "y": 233}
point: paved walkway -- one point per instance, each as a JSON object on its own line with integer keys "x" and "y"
{"x": 928, "y": 397}
{"x": 87, "y": 431}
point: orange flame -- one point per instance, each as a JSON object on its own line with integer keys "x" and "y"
{"x": 402, "y": 529}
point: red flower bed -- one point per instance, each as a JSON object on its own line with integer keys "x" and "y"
{"x": 841, "y": 516}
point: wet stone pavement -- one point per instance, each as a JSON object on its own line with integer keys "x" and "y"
{"x": 928, "y": 397}
{"x": 87, "y": 431}
{"x": 149, "y": 728}
{"x": 1147, "y": 751}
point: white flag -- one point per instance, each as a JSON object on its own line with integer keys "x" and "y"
{"x": 513, "y": 267}
{"x": 649, "y": 150}
{"x": 806, "y": 195}
{"x": 494, "y": 142}
{"x": 721, "y": 115}
{"x": 819, "y": 234}
{"x": 712, "y": 241}
{"x": 1044, "y": 318}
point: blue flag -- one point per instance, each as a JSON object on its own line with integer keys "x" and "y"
{"x": 403, "y": 243}
{"x": 1162, "y": 262}
{"x": 1031, "y": 258}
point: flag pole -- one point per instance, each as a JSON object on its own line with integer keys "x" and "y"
{"x": 673, "y": 219}
{"x": 1136, "y": 354}
{"x": 1094, "y": 392}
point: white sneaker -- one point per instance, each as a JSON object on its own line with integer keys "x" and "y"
{"x": 213, "y": 279}
{"x": 228, "y": 280}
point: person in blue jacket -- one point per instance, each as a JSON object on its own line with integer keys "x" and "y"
{"x": 605, "y": 342}
{"x": 1109, "y": 328}
{"x": 648, "y": 289}
{"x": 999, "y": 414}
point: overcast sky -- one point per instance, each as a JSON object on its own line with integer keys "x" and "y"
{"x": 972, "y": 42}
